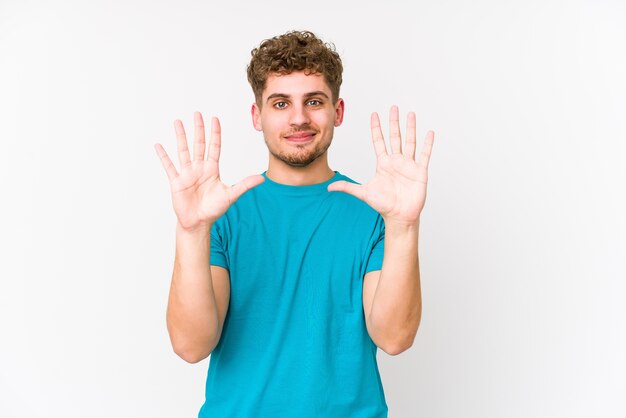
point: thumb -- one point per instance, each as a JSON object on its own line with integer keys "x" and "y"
{"x": 353, "y": 189}
{"x": 244, "y": 185}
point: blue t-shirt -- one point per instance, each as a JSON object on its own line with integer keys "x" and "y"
{"x": 294, "y": 341}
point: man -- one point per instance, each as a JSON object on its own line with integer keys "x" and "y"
{"x": 304, "y": 285}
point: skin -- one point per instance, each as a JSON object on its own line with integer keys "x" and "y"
{"x": 392, "y": 300}
{"x": 297, "y": 117}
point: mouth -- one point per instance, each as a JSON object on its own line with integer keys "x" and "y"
{"x": 300, "y": 137}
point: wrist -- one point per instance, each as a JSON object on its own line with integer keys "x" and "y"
{"x": 200, "y": 229}
{"x": 393, "y": 226}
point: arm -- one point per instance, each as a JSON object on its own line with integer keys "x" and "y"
{"x": 392, "y": 299}
{"x": 199, "y": 293}
{"x": 198, "y": 299}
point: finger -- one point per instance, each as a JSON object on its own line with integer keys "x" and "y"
{"x": 424, "y": 158}
{"x": 394, "y": 131}
{"x": 244, "y": 185}
{"x": 215, "y": 143}
{"x": 170, "y": 170}
{"x": 181, "y": 143}
{"x": 377, "y": 136}
{"x": 199, "y": 144}
{"x": 353, "y": 189}
{"x": 410, "y": 145}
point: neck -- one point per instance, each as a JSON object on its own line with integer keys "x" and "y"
{"x": 316, "y": 172}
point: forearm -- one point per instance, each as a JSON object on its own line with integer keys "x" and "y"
{"x": 397, "y": 304}
{"x": 192, "y": 319}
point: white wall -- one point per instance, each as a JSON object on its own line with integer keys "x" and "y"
{"x": 523, "y": 235}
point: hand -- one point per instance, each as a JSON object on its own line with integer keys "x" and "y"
{"x": 398, "y": 190}
{"x": 198, "y": 194}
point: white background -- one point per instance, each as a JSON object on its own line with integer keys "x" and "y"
{"x": 523, "y": 238}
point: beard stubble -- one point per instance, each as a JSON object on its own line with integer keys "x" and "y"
{"x": 301, "y": 157}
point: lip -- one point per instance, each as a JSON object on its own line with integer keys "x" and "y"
{"x": 301, "y": 137}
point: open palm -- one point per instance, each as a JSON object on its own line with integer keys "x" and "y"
{"x": 198, "y": 194}
{"x": 398, "y": 189}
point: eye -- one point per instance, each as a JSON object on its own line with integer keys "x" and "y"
{"x": 280, "y": 105}
{"x": 314, "y": 102}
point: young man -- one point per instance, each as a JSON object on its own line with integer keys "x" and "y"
{"x": 290, "y": 287}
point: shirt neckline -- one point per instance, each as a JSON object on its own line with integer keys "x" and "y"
{"x": 309, "y": 189}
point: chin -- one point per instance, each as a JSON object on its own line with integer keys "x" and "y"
{"x": 299, "y": 163}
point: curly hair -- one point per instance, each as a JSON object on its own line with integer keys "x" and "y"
{"x": 294, "y": 51}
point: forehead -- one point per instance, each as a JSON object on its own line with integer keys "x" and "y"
{"x": 295, "y": 84}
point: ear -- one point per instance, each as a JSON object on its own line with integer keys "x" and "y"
{"x": 339, "y": 110}
{"x": 256, "y": 117}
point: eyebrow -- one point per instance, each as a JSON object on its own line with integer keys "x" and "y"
{"x": 286, "y": 96}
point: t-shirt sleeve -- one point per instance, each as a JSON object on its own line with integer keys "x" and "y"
{"x": 219, "y": 256}
{"x": 375, "y": 260}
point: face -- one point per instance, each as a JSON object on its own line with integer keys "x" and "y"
{"x": 297, "y": 117}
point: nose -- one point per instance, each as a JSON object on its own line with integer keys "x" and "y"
{"x": 299, "y": 116}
